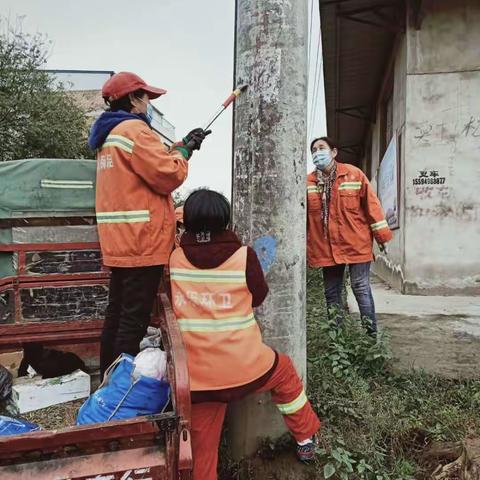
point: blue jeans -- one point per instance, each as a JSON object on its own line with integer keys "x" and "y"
{"x": 360, "y": 282}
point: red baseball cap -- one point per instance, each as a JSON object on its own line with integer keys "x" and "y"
{"x": 123, "y": 83}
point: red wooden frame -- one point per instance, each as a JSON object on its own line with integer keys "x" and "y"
{"x": 13, "y": 335}
{"x": 92, "y": 439}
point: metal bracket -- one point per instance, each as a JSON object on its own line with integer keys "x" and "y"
{"x": 165, "y": 424}
{"x": 418, "y": 13}
{"x": 361, "y": 112}
{"x": 387, "y": 16}
{"x": 46, "y": 221}
{"x": 354, "y": 149}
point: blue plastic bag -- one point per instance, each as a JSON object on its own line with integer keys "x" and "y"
{"x": 122, "y": 396}
{"x": 13, "y": 426}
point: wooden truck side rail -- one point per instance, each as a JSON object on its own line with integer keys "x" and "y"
{"x": 160, "y": 442}
{"x": 12, "y": 335}
{"x": 179, "y": 379}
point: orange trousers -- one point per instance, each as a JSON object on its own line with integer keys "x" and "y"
{"x": 287, "y": 393}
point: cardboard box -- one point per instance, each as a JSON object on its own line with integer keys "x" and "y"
{"x": 11, "y": 361}
{"x": 30, "y": 394}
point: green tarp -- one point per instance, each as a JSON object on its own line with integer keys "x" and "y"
{"x": 43, "y": 188}
{"x": 47, "y": 188}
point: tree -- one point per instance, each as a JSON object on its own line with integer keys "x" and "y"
{"x": 178, "y": 198}
{"x": 37, "y": 117}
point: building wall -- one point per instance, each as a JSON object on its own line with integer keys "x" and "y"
{"x": 90, "y": 101}
{"x": 442, "y": 167}
{"x": 391, "y": 266}
{"x": 84, "y": 87}
{"x": 436, "y": 113}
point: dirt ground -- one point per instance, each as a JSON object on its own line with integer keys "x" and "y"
{"x": 284, "y": 466}
{"x": 437, "y": 461}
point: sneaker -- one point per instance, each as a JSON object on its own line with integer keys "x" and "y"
{"x": 306, "y": 452}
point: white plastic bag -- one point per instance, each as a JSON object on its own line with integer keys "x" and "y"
{"x": 153, "y": 338}
{"x": 151, "y": 362}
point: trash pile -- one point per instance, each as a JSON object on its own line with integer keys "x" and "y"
{"x": 6, "y": 382}
{"x": 56, "y": 417}
{"x": 13, "y": 426}
{"x": 49, "y": 389}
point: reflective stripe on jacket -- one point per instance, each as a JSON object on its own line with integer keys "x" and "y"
{"x": 355, "y": 218}
{"x": 136, "y": 174}
{"x": 214, "y": 312}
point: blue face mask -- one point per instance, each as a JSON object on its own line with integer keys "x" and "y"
{"x": 322, "y": 159}
{"x": 149, "y": 113}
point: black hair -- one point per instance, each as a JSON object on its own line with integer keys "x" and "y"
{"x": 206, "y": 211}
{"x": 123, "y": 103}
{"x": 328, "y": 140}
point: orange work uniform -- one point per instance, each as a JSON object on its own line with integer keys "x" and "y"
{"x": 355, "y": 219}
{"x": 225, "y": 350}
{"x": 214, "y": 311}
{"x": 136, "y": 174}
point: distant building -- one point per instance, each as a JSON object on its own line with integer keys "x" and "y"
{"x": 402, "y": 88}
{"x": 85, "y": 87}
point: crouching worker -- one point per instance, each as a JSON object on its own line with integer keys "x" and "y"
{"x": 216, "y": 282}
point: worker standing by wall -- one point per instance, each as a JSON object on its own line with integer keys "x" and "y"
{"x": 136, "y": 174}
{"x": 344, "y": 216}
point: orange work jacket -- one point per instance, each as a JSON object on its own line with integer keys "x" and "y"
{"x": 355, "y": 218}
{"x": 136, "y": 174}
{"x": 214, "y": 311}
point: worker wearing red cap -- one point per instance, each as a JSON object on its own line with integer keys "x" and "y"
{"x": 136, "y": 174}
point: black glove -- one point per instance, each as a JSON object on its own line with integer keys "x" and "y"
{"x": 383, "y": 248}
{"x": 193, "y": 140}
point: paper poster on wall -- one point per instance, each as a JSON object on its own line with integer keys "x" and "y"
{"x": 387, "y": 186}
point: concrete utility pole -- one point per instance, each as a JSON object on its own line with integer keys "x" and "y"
{"x": 269, "y": 185}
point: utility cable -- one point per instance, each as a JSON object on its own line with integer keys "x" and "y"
{"x": 316, "y": 78}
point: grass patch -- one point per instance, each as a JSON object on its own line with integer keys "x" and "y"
{"x": 376, "y": 422}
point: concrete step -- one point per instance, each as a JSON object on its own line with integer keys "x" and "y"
{"x": 439, "y": 334}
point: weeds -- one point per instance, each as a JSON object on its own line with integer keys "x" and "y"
{"x": 376, "y": 422}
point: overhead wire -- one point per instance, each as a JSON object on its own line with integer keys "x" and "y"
{"x": 317, "y": 83}
{"x": 311, "y": 79}
{"x": 316, "y": 79}
{"x": 310, "y": 32}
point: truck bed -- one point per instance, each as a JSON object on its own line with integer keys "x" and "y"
{"x": 152, "y": 447}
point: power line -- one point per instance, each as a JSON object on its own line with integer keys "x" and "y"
{"x": 309, "y": 80}
{"x": 318, "y": 82}
{"x": 310, "y": 32}
{"x": 316, "y": 78}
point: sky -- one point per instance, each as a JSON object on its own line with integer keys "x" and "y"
{"x": 184, "y": 46}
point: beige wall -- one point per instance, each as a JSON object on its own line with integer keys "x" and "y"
{"x": 437, "y": 108}
{"x": 443, "y": 135}
{"x": 391, "y": 266}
